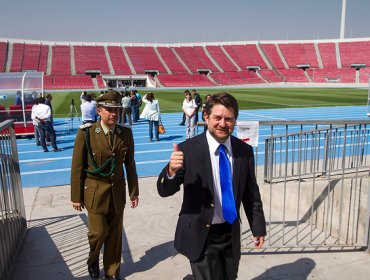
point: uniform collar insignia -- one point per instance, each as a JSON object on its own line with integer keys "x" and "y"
{"x": 97, "y": 130}
{"x": 119, "y": 130}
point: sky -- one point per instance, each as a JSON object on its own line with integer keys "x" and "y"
{"x": 180, "y": 21}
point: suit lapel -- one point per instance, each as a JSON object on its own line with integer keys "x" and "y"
{"x": 204, "y": 155}
{"x": 236, "y": 167}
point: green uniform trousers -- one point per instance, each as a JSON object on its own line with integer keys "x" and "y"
{"x": 106, "y": 230}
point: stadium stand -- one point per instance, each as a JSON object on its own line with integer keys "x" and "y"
{"x": 119, "y": 61}
{"x": 90, "y": 58}
{"x": 3, "y": 51}
{"x": 43, "y": 60}
{"x": 328, "y": 55}
{"x": 68, "y": 66}
{"x": 171, "y": 60}
{"x": 354, "y": 53}
{"x": 17, "y": 58}
{"x": 271, "y": 51}
{"x": 293, "y": 75}
{"x": 144, "y": 58}
{"x": 199, "y": 50}
{"x": 184, "y": 80}
{"x": 61, "y": 61}
{"x": 299, "y": 54}
{"x": 100, "y": 81}
{"x": 270, "y": 76}
{"x": 245, "y": 55}
{"x": 221, "y": 59}
{"x": 31, "y": 57}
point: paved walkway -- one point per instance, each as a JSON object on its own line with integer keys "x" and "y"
{"x": 55, "y": 246}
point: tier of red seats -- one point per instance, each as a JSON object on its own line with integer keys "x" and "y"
{"x": 43, "y": 61}
{"x": 171, "y": 60}
{"x": 270, "y": 76}
{"x": 3, "y": 51}
{"x": 206, "y": 60}
{"x": 68, "y": 82}
{"x": 119, "y": 61}
{"x": 145, "y": 58}
{"x": 294, "y": 75}
{"x": 90, "y": 58}
{"x": 272, "y": 53}
{"x": 328, "y": 55}
{"x": 345, "y": 75}
{"x": 18, "y": 53}
{"x": 245, "y": 55}
{"x": 354, "y": 53}
{"x": 222, "y": 60}
{"x": 61, "y": 61}
{"x": 31, "y": 57}
{"x": 100, "y": 81}
{"x": 365, "y": 75}
{"x": 235, "y": 78}
{"x": 296, "y": 54}
{"x": 184, "y": 80}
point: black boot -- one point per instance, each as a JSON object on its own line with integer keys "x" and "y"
{"x": 94, "y": 270}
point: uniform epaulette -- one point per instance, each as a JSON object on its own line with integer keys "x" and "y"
{"x": 86, "y": 125}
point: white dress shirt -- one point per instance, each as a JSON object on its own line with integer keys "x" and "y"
{"x": 214, "y": 154}
{"x": 88, "y": 111}
{"x": 42, "y": 112}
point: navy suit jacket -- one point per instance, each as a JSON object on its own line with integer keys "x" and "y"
{"x": 197, "y": 209}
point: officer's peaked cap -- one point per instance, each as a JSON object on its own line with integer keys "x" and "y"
{"x": 111, "y": 98}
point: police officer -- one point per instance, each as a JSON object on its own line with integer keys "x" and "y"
{"x": 98, "y": 182}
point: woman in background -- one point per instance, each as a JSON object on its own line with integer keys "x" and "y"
{"x": 151, "y": 112}
{"x": 189, "y": 107}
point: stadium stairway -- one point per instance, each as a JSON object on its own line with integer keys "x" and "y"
{"x": 110, "y": 65}
{"x": 133, "y": 71}
{"x": 162, "y": 61}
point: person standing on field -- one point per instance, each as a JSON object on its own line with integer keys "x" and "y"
{"x": 98, "y": 182}
{"x": 216, "y": 171}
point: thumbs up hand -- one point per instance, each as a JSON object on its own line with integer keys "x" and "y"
{"x": 176, "y": 161}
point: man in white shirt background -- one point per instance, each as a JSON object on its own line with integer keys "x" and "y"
{"x": 88, "y": 110}
{"x": 41, "y": 115}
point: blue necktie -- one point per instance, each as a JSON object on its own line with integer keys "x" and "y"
{"x": 228, "y": 202}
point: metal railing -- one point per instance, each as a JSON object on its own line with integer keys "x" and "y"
{"x": 12, "y": 212}
{"x": 316, "y": 184}
{"x": 336, "y": 146}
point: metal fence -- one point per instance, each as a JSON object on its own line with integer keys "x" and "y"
{"x": 315, "y": 184}
{"x": 12, "y": 213}
{"x": 340, "y": 146}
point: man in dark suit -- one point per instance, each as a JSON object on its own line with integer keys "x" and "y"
{"x": 217, "y": 173}
{"x": 98, "y": 182}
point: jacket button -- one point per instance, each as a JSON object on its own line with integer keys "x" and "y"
{"x": 212, "y": 205}
{"x": 208, "y": 226}
{"x": 113, "y": 154}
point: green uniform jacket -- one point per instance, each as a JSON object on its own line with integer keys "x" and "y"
{"x": 94, "y": 191}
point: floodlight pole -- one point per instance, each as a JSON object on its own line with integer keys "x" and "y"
{"x": 343, "y": 19}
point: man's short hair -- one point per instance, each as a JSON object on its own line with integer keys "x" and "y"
{"x": 225, "y": 99}
{"x": 88, "y": 97}
{"x": 41, "y": 99}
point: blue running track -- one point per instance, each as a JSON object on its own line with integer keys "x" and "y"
{"x": 39, "y": 169}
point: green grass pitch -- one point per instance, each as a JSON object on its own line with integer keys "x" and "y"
{"x": 260, "y": 98}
